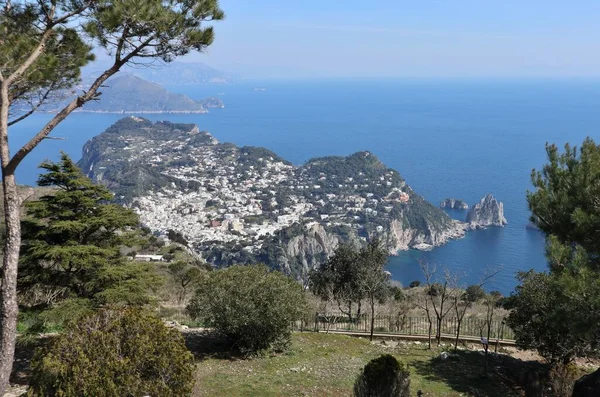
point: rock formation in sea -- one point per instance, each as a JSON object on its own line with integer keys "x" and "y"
{"x": 487, "y": 212}
{"x": 454, "y": 204}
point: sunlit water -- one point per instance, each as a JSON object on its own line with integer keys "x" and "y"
{"x": 448, "y": 139}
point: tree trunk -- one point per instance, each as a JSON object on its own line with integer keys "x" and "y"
{"x": 438, "y": 333}
{"x": 372, "y": 318}
{"x": 458, "y": 324}
{"x": 485, "y": 366}
{"x": 8, "y": 289}
{"x": 429, "y": 333}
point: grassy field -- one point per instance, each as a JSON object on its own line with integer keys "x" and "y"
{"x": 327, "y": 365}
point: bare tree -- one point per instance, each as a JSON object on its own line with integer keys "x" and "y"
{"x": 424, "y": 305}
{"x": 491, "y": 302}
{"x": 463, "y": 301}
{"x": 440, "y": 295}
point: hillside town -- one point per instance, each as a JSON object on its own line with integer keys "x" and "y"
{"x": 239, "y": 195}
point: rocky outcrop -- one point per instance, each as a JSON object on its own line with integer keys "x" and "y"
{"x": 315, "y": 241}
{"x": 308, "y": 249}
{"x": 404, "y": 237}
{"x": 588, "y": 385}
{"x": 487, "y": 212}
{"x": 454, "y": 204}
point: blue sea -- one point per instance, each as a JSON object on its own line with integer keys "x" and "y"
{"x": 460, "y": 139}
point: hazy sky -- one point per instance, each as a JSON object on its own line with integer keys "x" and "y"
{"x": 424, "y": 38}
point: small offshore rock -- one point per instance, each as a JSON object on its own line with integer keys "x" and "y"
{"x": 454, "y": 204}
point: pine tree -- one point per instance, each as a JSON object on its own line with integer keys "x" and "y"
{"x": 566, "y": 205}
{"x": 71, "y": 245}
{"x": 558, "y": 313}
{"x": 43, "y": 45}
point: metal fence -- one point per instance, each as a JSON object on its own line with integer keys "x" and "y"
{"x": 386, "y": 324}
{"x": 405, "y": 325}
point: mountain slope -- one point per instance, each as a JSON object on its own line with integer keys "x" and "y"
{"x": 243, "y": 205}
{"x": 130, "y": 94}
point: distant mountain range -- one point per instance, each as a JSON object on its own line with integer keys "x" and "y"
{"x": 128, "y": 94}
{"x": 181, "y": 73}
{"x": 141, "y": 90}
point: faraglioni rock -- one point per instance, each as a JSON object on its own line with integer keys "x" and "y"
{"x": 454, "y": 204}
{"x": 487, "y": 212}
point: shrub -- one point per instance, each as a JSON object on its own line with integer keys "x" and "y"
{"x": 414, "y": 284}
{"x": 435, "y": 289}
{"x": 474, "y": 293}
{"x": 249, "y": 304}
{"x": 125, "y": 352}
{"x": 383, "y": 377}
{"x": 397, "y": 293}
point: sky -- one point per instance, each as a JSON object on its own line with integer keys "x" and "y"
{"x": 398, "y": 38}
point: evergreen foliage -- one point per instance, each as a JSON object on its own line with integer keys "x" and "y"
{"x": 185, "y": 276}
{"x": 557, "y": 313}
{"x": 177, "y": 237}
{"x": 383, "y": 376}
{"x": 71, "y": 246}
{"x": 56, "y": 69}
{"x": 352, "y": 275}
{"x": 474, "y": 293}
{"x": 125, "y": 352}
{"x": 251, "y": 305}
{"x": 43, "y": 46}
{"x": 565, "y": 205}
{"x": 339, "y": 278}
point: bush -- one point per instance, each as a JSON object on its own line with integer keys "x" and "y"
{"x": 414, "y": 284}
{"x": 397, "y": 293}
{"x": 474, "y": 293}
{"x": 125, "y": 352}
{"x": 383, "y": 377}
{"x": 249, "y": 304}
{"x": 435, "y": 289}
